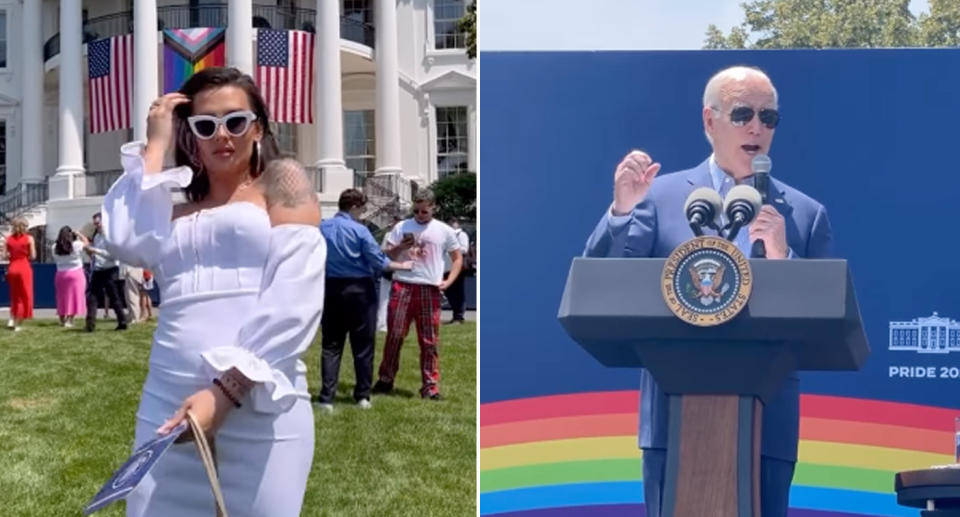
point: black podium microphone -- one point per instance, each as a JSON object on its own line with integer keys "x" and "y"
{"x": 703, "y": 208}
{"x": 760, "y": 166}
{"x": 741, "y": 207}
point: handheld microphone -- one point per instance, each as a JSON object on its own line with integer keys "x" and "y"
{"x": 702, "y": 208}
{"x": 741, "y": 207}
{"x": 761, "y": 165}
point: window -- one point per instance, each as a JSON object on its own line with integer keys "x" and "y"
{"x": 358, "y": 10}
{"x": 3, "y": 39}
{"x": 286, "y": 136}
{"x": 446, "y": 14}
{"x": 359, "y": 142}
{"x": 357, "y": 18}
{"x": 208, "y": 13}
{"x": 451, "y": 140}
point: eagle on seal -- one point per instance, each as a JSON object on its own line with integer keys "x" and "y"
{"x": 707, "y": 279}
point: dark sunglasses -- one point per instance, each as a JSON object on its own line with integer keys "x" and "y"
{"x": 742, "y": 116}
{"x": 236, "y": 124}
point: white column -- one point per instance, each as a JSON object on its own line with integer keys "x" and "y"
{"x": 388, "y": 88}
{"x": 240, "y": 35}
{"x": 146, "y": 64}
{"x": 329, "y": 100}
{"x": 31, "y": 158}
{"x": 328, "y": 107}
{"x": 71, "y": 103}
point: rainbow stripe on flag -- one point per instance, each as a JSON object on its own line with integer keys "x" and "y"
{"x": 576, "y": 454}
{"x": 187, "y": 51}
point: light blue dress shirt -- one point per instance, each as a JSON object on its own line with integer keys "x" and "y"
{"x": 722, "y": 183}
{"x": 351, "y": 250}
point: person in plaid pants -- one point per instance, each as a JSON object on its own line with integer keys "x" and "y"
{"x": 415, "y": 294}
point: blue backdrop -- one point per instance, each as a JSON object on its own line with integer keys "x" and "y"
{"x": 871, "y": 134}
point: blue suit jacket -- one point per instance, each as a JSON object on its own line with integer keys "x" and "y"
{"x": 657, "y": 226}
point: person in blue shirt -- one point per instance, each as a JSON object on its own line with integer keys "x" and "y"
{"x": 350, "y": 297}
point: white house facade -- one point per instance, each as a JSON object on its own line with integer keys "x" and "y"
{"x": 926, "y": 335}
{"x": 394, "y": 96}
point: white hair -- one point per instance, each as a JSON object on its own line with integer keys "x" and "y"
{"x": 711, "y": 94}
{"x": 713, "y": 91}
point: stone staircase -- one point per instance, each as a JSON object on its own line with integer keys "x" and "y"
{"x": 27, "y": 200}
{"x": 36, "y": 216}
{"x": 388, "y": 195}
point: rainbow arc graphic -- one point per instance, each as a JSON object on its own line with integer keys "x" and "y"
{"x": 187, "y": 51}
{"x": 576, "y": 454}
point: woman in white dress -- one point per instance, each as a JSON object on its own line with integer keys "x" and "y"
{"x": 241, "y": 271}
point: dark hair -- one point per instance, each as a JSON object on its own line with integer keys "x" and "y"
{"x": 65, "y": 240}
{"x": 186, "y": 151}
{"x": 350, "y": 198}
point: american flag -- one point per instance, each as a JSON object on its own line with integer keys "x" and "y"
{"x": 285, "y": 74}
{"x": 110, "y": 62}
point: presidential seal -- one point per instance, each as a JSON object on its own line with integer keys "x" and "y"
{"x": 706, "y": 281}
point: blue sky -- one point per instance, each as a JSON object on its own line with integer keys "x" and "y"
{"x": 607, "y": 24}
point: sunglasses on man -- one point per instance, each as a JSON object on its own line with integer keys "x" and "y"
{"x": 236, "y": 123}
{"x": 742, "y": 115}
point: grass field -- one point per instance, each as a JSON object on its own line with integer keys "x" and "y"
{"x": 68, "y": 400}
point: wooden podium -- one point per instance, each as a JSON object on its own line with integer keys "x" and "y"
{"x": 802, "y": 315}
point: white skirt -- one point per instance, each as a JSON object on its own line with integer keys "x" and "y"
{"x": 263, "y": 459}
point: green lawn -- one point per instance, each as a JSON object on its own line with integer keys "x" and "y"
{"x": 68, "y": 399}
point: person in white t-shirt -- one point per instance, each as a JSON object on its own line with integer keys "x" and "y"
{"x": 456, "y": 294}
{"x": 70, "y": 282}
{"x": 415, "y": 294}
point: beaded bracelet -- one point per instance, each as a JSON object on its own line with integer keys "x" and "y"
{"x": 231, "y": 384}
{"x": 227, "y": 393}
{"x": 237, "y": 380}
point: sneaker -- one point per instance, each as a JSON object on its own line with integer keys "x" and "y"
{"x": 435, "y": 397}
{"x": 364, "y": 404}
{"x": 9, "y": 324}
{"x": 89, "y": 328}
{"x": 382, "y": 387}
{"x": 325, "y": 407}
{"x": 68, "y": 324}
{"x": 17, "y": 328}
{"x": 122, "y": 326}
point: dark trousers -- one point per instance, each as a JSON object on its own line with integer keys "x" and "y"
{"x": 104, "y": 280}
{"x": 775, "y": 478}
{"x": 456, "y": 295}
{"x": 349, "y": 307}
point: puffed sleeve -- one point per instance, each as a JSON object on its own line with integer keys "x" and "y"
{"x": 138, "y": 207}
{"x": 285, "y": 320}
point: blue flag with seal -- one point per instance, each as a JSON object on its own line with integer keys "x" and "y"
{"x": 129, "y": 475}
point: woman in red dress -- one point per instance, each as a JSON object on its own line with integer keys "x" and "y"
{"x": 20, "y": 250}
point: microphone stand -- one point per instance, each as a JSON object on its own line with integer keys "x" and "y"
{"x": 698, "y": 228}
{"x": 762, "y": 183}
{"x": 733, "y": 228}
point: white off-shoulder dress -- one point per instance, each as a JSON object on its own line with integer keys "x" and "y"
{"x": 235, "y": 292}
